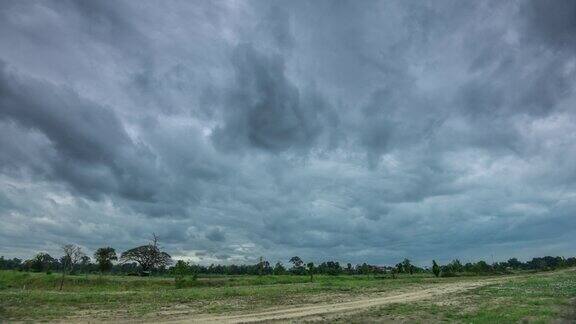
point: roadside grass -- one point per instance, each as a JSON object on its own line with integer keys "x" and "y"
{"x": 27, "y": 280}
{"x": 533, "y": 299}
{"x": 33, "y": 296}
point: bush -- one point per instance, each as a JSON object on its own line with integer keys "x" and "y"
{"x": 435, "y": 268}
{"x": 447, "y": 274}
{"x": 180, "y": 271}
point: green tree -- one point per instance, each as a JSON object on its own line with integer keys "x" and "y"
{"x": 104, "y": 257}
{"x": 297, "y": 265}
{"x": 514, "y": 263}
{"x": 296, "y": 261}
{"x": 149, "y": 256}
{"x": 456, "y": 266}
{"x": 310, "y": 268}
{"x": 394, "y": 271}
{"x": 408, "y": 268}
{"x": 181, "y": 269}
{"x": 279, "y": 268}
{"x": 435, "y": 268}
{"x": 85, "y": 264}
{"x": 481, "y": 267}
{"x": 263, "y": 266}
{"x": 349, "y": 269}
{"x": 41, "y": 262}
{"x": 364, "y": 269}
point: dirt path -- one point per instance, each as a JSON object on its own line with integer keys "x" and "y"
{"x": 343, "y": 307}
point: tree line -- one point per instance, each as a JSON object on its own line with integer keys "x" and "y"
{"x": 140, "y": 260}
{"x": 149, "y": 258}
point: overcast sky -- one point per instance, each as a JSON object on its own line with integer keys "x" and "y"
{"x": 347, "y": 130}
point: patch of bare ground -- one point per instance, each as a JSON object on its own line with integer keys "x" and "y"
{"x": 235, "y": 305}
{"x": 569, "y": 314}
{"x": 318, "y": 307}
{"x": 325, "y": 311}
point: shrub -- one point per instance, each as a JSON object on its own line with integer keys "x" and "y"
{"x": 180, "y": 271}
{"x": 435, "y": 268}
{"x": 447, "y": 274}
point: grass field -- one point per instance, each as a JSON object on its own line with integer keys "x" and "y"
{"x": 32, "y": 296}
{"x": 533, "y": 299}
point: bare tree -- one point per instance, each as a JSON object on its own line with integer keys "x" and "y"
{"x": 72, "y": 255}
{"x": 148, "y": 256}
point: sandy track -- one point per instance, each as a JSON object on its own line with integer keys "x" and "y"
{"x": 343, "y": 307}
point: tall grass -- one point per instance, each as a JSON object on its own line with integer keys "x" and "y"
{"x": 41, "y": 281}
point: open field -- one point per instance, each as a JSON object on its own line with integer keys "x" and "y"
{"x": 535, "y": 297}
{"x": 541, "y": 298}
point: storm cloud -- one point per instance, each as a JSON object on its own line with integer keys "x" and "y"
{"x": 358, "y": 131}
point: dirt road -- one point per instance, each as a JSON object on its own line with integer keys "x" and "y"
{"x": 343, "y": 307}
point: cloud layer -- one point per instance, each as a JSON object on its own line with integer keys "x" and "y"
{"x": 356, "y": 131}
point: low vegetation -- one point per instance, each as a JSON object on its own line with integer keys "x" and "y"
{"x": 35, "y": 296}
{"x": 145, "y": 282}
{"x": 532, "y": 298}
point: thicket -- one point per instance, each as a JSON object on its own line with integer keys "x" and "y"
{"x": 43, "y": 262}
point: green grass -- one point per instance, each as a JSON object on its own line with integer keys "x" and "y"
{"x": 41, "y": 281}
{"x": 534, "y": 299}
{"x": 35, "y": 296}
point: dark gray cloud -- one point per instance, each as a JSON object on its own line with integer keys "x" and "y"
{"x": 266, "y": 111}
{"x": 359, "y": 131}
{"x": 93, "y": 152}
{"x": 551, "y": 25}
